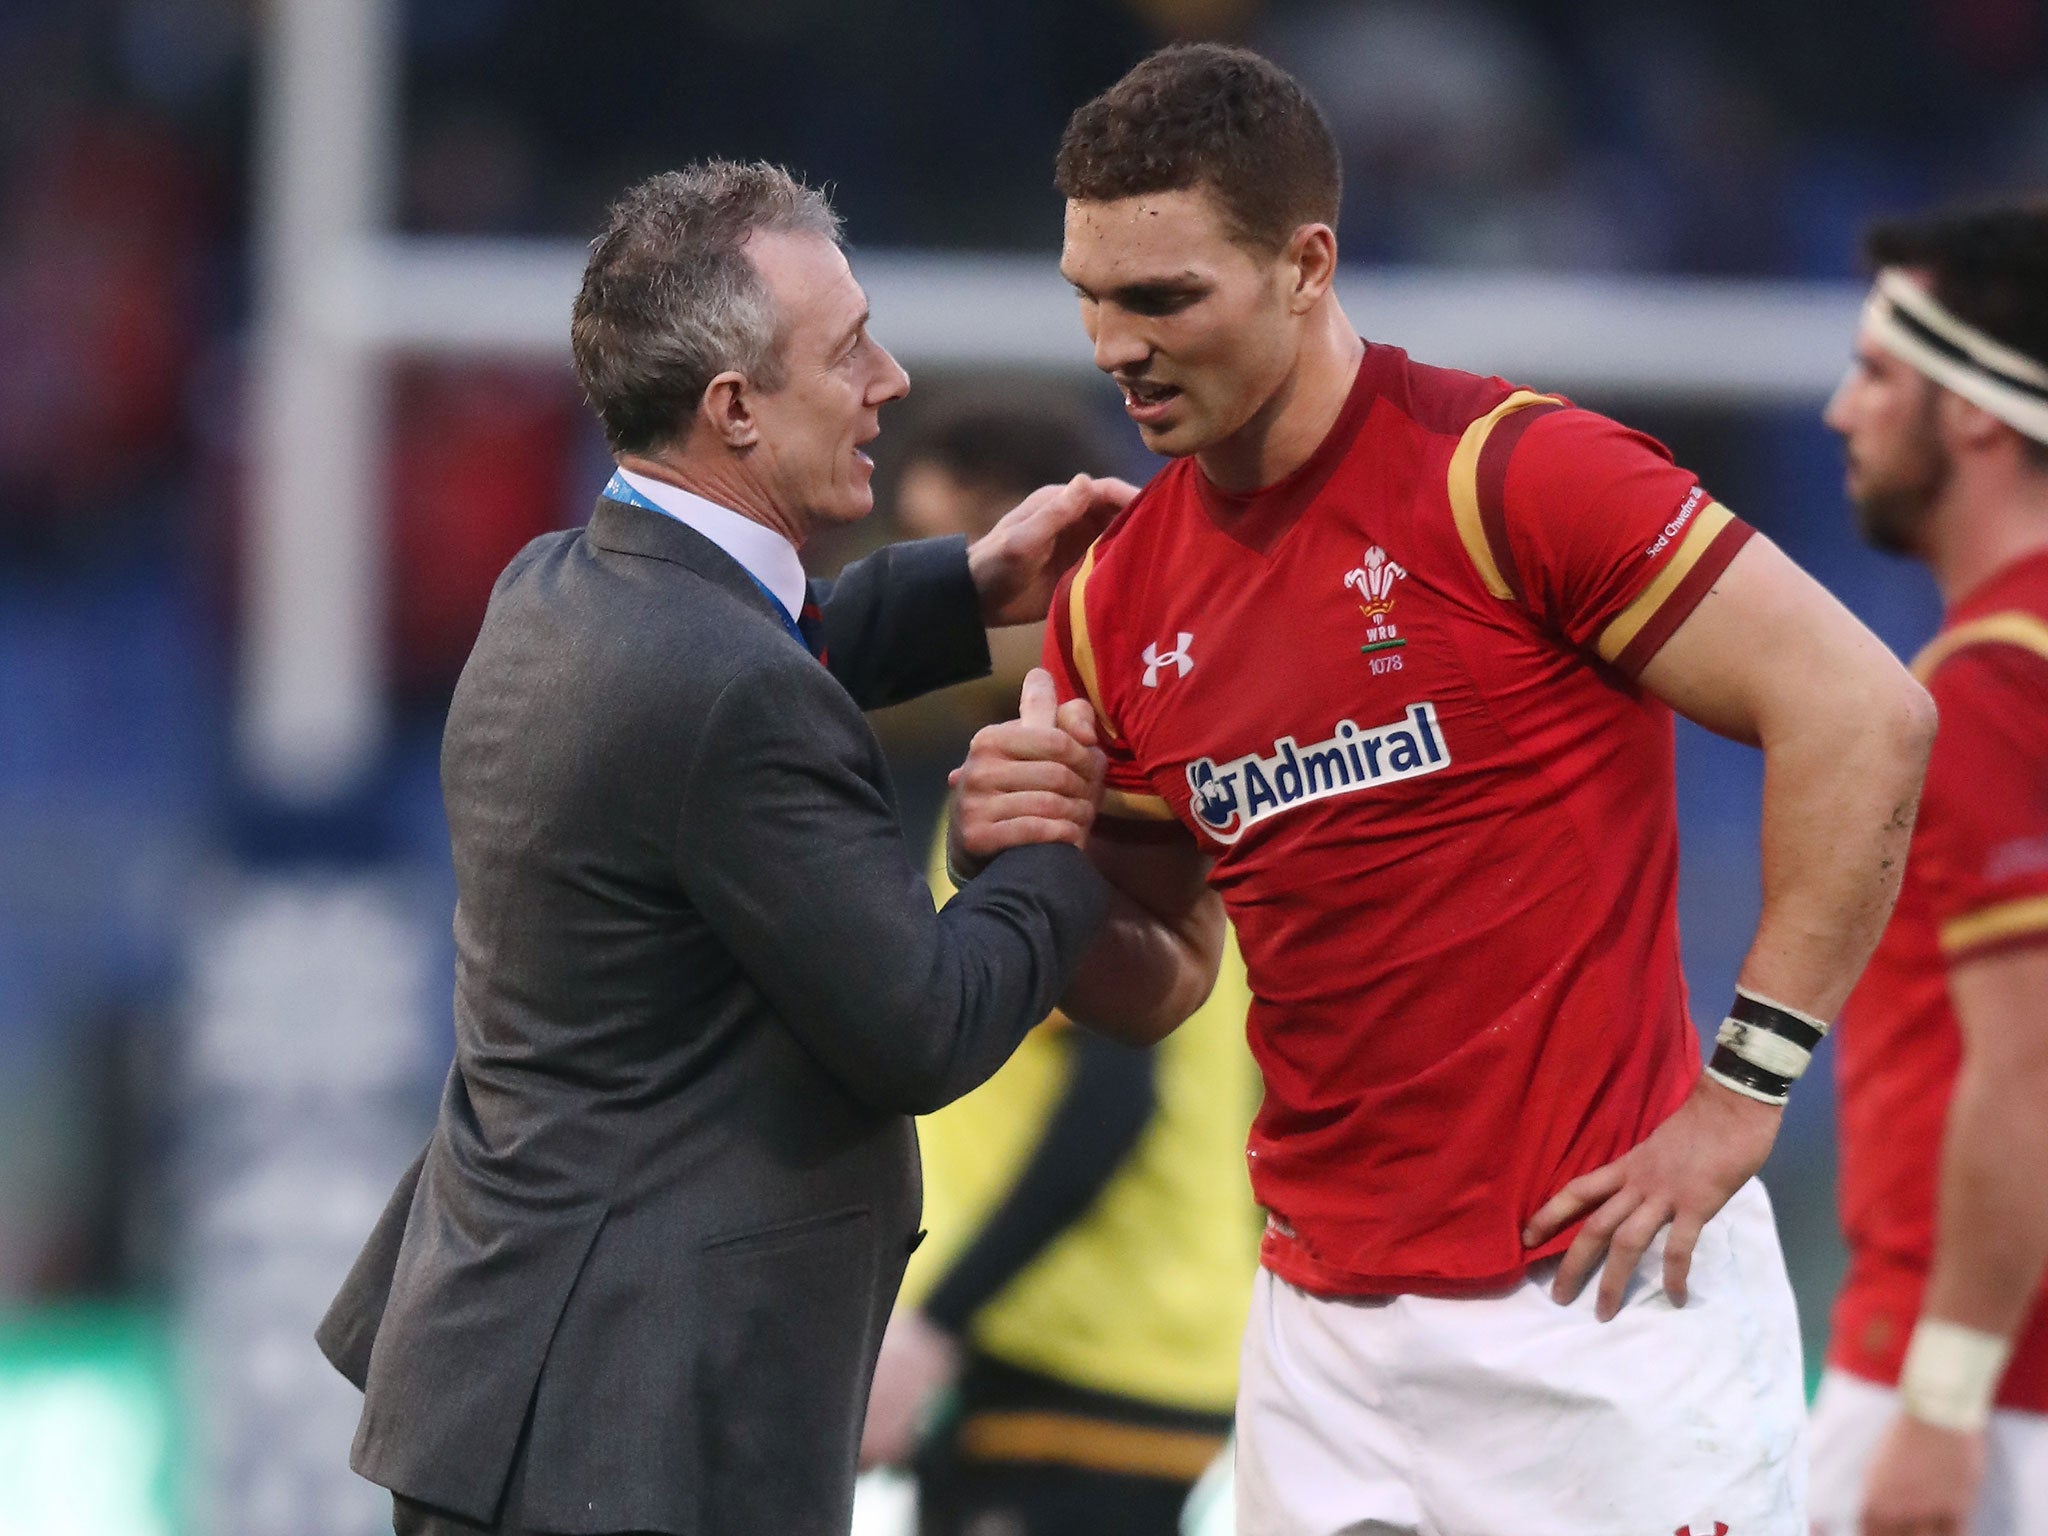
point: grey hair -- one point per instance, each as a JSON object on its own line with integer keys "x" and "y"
{"x": 670, "y": 300}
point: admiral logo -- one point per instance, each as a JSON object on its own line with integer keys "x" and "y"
{"x": 1676, "y": 526}
{"x": 1231, "y": 797}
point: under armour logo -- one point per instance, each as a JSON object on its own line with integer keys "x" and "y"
{"x": 1177, "y": 658}
{"x": 1720, "y": 1529}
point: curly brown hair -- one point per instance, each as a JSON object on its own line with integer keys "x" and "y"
{"x": 1208, "y": 115}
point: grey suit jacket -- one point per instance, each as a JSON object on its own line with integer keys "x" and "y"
{"x": 655, "y": 1236}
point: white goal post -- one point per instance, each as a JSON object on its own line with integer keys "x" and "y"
{"x": 338, "y": 295}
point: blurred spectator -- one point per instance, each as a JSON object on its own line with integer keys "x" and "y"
{"x": 1455, "y": 145}
{"x": 102, "y": 308}
{"x": 480, "y": 457}
{"x": 480, "y": 452}
{"x": 1083, "y": 1289}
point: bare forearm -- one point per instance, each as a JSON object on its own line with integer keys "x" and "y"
{"x": 1839, "y": 800}
{"x": 1143, "y": 977}
{"x": 1991, "y": 1245}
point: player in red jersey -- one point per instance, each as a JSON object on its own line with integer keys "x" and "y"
{"x": 1933, "y": 1418}
{"x": 1384, "y": 664}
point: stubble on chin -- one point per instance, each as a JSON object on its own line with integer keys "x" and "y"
{"x": 1892, "y": 513}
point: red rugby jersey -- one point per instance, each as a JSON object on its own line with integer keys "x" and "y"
{"x": 1393, "y": 696}
{"x": 1976, "y": 882}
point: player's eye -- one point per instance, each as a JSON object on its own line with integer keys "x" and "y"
{"x": 1155, "y": 304}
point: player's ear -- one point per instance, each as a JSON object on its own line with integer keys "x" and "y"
{"x": 1311, "y": 258}
{"x": 1966, "y": 424}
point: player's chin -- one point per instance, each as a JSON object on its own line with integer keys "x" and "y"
{"x": 1176, "y": 437}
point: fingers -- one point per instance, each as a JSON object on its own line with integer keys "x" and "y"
{"x": 1591, "y": 1242}
{"x": 1678, "y": 1246}
{"x": 1014, "y": 756}
{"x": 1077, "y": 718}
{"x": 1631, "y": 1241}
{"x": 1026, "y": 782}
{"x": 1117, "y": 493}
{"x": 1572, "y": 1202}
{"x": 1008, "y": 832}
{"x": 1039, "y": 703}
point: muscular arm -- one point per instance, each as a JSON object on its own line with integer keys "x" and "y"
{"x": 1155, "y": 959}
{"x": 1991, "y": 1246}
{"x": 1770, "y": 658}
{"x": 1767, "y": 657}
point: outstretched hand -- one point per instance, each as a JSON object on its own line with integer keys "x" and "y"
{"x": 1017, "y": 563}
{"x": 1035, "y": 779}
{"x": 1686, "y": 1170}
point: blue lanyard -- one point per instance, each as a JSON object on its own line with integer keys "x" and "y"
{"x": 618, "y": 490}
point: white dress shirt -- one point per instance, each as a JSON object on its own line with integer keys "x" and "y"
{"x": 768, "y": 557}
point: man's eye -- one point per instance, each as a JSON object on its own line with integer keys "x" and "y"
{"x": 1160, "y": 303}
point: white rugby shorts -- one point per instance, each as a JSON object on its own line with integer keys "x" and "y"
{"x": 1509, "y": 1415}
{"x": 1851, "y": 1417}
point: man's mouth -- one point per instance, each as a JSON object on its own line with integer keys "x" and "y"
{"x": 1146, "y": 400}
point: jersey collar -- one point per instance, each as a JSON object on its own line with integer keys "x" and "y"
{"x": 1258, "y": 519}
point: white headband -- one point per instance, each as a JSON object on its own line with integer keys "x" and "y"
{"x": 1911, "y": 324}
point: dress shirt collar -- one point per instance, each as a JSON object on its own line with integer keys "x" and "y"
{"x": 768, "y": 557}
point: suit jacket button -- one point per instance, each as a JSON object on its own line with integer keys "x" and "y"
{"x": 915, "y": 1238}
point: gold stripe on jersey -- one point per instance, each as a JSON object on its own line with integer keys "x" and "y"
{"x": 1100, "y": 1445}
{"x": 1706, "y": 527}
{"x": 2013, "y": 628}
{"x": 1463, "y": 483}
{"x": 1993, "y": 925}
{"x": 1135, "y": 807}
{"x": 1084, "y": 648}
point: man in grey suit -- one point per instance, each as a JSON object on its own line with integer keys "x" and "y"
{"x": 638, "y": 1278}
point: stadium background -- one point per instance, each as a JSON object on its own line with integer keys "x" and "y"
{"x": 230, "y": 613}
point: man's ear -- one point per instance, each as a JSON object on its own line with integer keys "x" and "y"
{"x": 728, "y": 410}
{"x": 1964, "y": 423}
{"x": 1311, "y": 257}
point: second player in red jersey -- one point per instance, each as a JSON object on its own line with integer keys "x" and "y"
{"x": 1932, "y": 1417}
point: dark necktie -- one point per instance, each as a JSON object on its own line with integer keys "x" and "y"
{"x": 810, "y": 623}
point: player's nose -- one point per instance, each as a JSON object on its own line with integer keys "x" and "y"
{"x": 1118, "y": 346}
{"x": 1836, "y": 414}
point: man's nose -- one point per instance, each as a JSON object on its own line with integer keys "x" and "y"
{"x": 1836, "y": 416}
{"x": 1118, "y": 344}
{"x": 891, "y": 382}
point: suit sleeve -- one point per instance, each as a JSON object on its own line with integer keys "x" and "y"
{"x": 1593, "y": 529}
{"x": 1980, "y": 847}
{"x": 791, "y": 852}
{"x": 903, "y": 621}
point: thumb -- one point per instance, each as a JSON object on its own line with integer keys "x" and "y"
{"x": 1040, "y": 702}
{"x": 1077, "y": 718}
